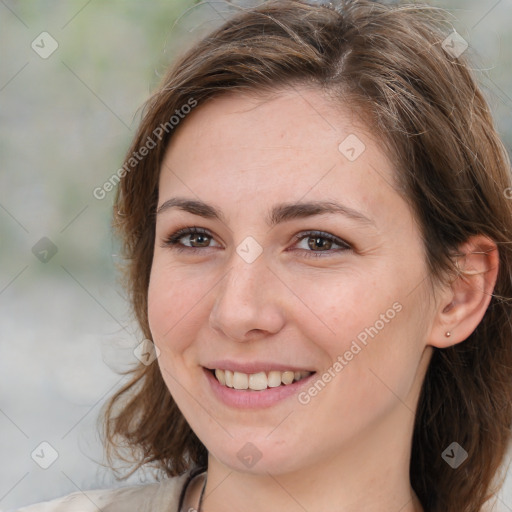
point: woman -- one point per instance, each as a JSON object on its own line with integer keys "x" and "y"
{"x": 318, "y": 243}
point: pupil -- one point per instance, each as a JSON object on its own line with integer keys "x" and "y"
{"x": 194, "y": 238}
{"x": 319, "y": 241}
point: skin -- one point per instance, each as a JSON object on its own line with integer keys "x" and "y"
{"x": 348, "y": 448}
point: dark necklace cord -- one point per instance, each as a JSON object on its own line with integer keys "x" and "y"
{"x": 192, "y": 475}
{"x": 202, "y": 493}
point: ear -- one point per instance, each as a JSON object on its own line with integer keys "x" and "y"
{"x": 463, "y": 302}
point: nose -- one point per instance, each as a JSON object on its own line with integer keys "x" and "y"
{"x": 248, "y": 302}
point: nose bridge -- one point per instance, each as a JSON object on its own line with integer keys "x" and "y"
{"x": 245, "y": 299}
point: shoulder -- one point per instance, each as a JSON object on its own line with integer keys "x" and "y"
{"x": 155, "y": 497}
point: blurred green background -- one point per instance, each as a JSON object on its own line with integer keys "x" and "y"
{"x": 66, "y": 122}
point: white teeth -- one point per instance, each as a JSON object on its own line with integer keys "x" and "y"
{"x": 221, "y": 376}
{"x": 240, "y": 380}
{"x": 274, "y": 379}
{"x": 258, "y": 381}
{"x": 287, "y": 377}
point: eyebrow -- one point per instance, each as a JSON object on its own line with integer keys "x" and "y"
{"x": 279, "y": 213}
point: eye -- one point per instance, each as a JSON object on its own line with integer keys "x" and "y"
{"x": 322, "y": 241}
{"x": 200, "y": 238}
{"x": 197, "y": 235}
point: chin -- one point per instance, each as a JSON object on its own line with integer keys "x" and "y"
{"x": 258, "y": 456}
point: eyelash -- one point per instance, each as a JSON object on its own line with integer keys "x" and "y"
{"x": 172, "y": 241}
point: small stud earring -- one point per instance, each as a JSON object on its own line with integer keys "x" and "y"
{"x": 448, "y": 334}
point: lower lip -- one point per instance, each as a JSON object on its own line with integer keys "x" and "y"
{"x": 249, "y": 399}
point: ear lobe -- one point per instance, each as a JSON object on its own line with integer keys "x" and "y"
{"x": 464, "y": 301}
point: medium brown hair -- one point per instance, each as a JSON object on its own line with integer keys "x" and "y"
{"x": 425, "y": 107}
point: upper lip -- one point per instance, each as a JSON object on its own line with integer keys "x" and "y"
{"x": 254, "y": 366}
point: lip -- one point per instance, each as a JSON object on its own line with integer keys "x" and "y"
{"x": 249, "y": 399}
{"x": 253, "y": 366}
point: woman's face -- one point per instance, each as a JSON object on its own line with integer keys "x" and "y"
{"x": 279, "y": 280}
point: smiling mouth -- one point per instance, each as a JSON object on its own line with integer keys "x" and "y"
{"x": 258, "y": 381}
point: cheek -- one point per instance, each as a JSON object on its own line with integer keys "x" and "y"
{"x": 334, "y": 308}
{"x": 167, "y": 311}
{"x": 369, "y": 322}
{"x": 172, "y": 301}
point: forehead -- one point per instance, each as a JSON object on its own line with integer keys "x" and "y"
{"x": 285, "y": 120}
{"x": 247, "y": 149}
